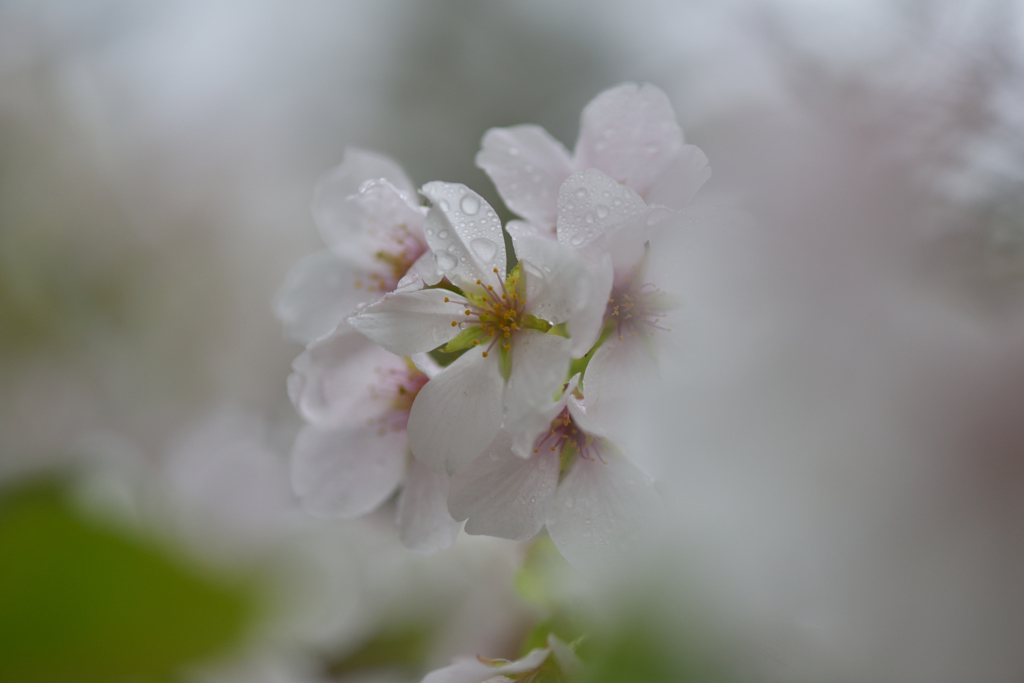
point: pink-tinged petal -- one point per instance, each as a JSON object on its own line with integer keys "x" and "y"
{"x": 465, "y": 235}
{"x": 679, "y": 183}
{"x": 343, "y": 181}
{"x": 603, "y": 511}
{"x": 347, "y": 472}
{"x": 520, "y": 229}
{"x": 582, "y": 419}
{"x": 425, "y": 364}
{"x": 422, "y": 273}
{"x": 591, "y": 205}
{"x": 424, "y": 525}
{"x": 527, "y": 166}
{"x": 467, "y": 670}
{"x": 527, "y": 429}
{"x": 405, "y": 323}
{"x": 333, "y": 379}
{"x": 503, "y": 495}
{"x": 557, "y": 278}
{"x": 562, "y": 287}
{"x": 540, "y": 362}
{"x": 317, "y": 295}
{"x": 588, "y": 320}
{"x": 377, "y": 218}
{"x": 630, "y": 132}
{"x": 616, "y": 372}
{"x": 457, "y": 414}
{"x": 628, "y": 243}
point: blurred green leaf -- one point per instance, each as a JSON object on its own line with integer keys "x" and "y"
{"x": 83, "y": 602}
{"x": 403, "y": 647}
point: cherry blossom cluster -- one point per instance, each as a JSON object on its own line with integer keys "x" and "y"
{"x": 477, "y": 377}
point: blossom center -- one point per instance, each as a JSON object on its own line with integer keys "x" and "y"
{"x": 567, "y": 439}
{"x": 496, "y": 313}
{"x": 637, "y": 308}
{"x": 396, "y": 388}
{"x": 401, "y": 248}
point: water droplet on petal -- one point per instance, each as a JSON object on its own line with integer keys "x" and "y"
{"x": 470, "y": 205}
{"x": 445, "y": 261}
{"x": 430, "y": 231}
{"x": 602, "y": 211}
{"x": 570, "y": 206}
{"x": 443, "y": 234}
{"x": 655, "y": 217}
{"x": 484, "y": 248}
{"x": 576, "y": 240}
{"x": 581, "y": 193}
{"x": 589, "y": 218}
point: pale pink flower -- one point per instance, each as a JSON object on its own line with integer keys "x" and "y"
{"x": 559, "y": 470}
{"x": 512, "y": 365}
{"x": 354, "y": 451}
{"x": 607, "y": 221}
{"x": 367, "y": 213}
{"x": 629, "y": 133}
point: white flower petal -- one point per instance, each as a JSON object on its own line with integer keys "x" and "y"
{"x": 540, "y": 362}
{"x": 422, "y": 273}
{"x": 503, "y": 495}
{"x": 317, "y": 295}
{"x": 456, "y": 414}
{"x": 519, "y": 229}
{"x": 331, "y": 380}
{"x": 630, "y": 132}
{"x": 343, "y": 181}
{"x": 467, "y": 670}
{"x": 602, "y": 512}
{"x": 424, "y": 525}
{"x": 405, "y": 323}
{"x": 465, "y": 235}
{"x": 372, "y": 220}
{"x": 591, "y": 205}
{"x": 527, "y": 166}
{"x": 526, "y": 430}
{"x": 678, "y": 184}
{"x": 425, "y": 364}
{"x": 618, "y": 370}
{"x": 562, "y": 287}
{"x": 347, "y": 472}
{"x": 583, "y": 420}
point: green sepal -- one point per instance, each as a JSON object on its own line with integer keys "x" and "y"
{"x": 515, "y": 282}
{"x": 532, "y": 322}
{"x": 465, "y": 339}
{"x": 561, "y": 330}
{"x": 567, "y": 457}
{"x": 504, "y": 360}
